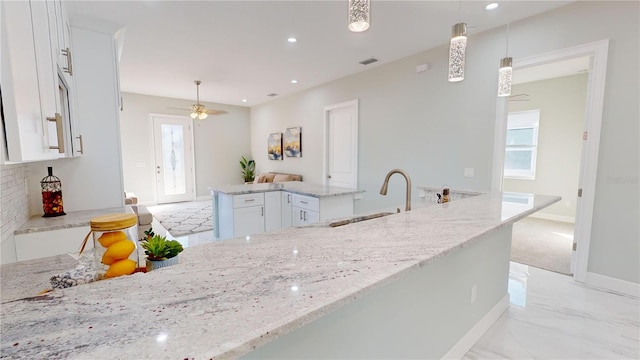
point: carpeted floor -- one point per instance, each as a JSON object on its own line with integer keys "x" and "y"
{"x": 184, "y": 218}
{"x": 544, "y": 244}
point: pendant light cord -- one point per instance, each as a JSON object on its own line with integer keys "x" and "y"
{"x": 508, "y": 23}
{"x": 459, "y": 10}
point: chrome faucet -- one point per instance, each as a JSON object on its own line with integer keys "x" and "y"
{"x": 385, "y": 185}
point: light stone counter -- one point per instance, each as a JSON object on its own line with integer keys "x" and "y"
{"x": 297, "y": 187}
{"x": 74, "y": 219}
{"x": 224, "y": 299}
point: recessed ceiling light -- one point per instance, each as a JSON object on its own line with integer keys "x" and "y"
{"x": 294, "y": 81}
{"x": 491, "y": 6}
{"x": 292, "y": 40}
{"x": 244, "y": 100}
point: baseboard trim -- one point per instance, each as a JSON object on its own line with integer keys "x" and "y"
{"x": 613, "y": 284}
{"x": 472, "y": 336}
{"x": 561, "y": 218}
{"x": 202, "y": 198}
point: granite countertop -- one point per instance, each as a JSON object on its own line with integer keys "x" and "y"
{"x": 37, "y": 223}
{"x": 224, "y": 299}
{"x": 298, "y": 187}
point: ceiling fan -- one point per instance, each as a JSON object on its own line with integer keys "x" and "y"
{"x": 519, "y": 97}
{"x": 199, "y": 111}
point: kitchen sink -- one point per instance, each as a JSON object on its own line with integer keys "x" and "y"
{"x": 359, "y": 219}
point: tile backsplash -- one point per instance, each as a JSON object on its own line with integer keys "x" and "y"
{"x": 14, "y": 206}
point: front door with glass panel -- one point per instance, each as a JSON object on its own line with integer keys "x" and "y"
{"x": 173, "y": 158}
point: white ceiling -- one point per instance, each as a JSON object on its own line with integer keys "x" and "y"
{"x": 239, "y": 49}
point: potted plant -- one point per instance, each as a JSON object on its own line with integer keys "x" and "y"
{"x": 160, "y": 251}
{"x": 248, "y": 169}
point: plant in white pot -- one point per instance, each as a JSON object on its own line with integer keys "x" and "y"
{"x": 160, "y": 251}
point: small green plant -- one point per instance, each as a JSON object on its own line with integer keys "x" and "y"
{"x": 158, "y": 248}
{"x": 248, "y": 169}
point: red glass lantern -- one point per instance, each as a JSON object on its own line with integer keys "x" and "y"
{"x": 51, "y": 195}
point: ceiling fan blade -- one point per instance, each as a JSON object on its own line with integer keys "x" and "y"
{"x": 216, "y": 112}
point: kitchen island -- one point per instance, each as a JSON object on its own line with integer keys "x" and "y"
{"x": 241, "y": 210}
{"x": 303, "y": 286}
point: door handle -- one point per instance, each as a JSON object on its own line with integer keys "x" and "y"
{"x": 69, "y": 69}
{"x": 58, "y": 120}
{"x": 328, "y": 176}
{"x": 81, "y": 151}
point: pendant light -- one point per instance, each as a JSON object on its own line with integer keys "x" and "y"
{"x": 506, "y": 69}
{"x": 359, "y": 15}
{"x": 457, "y": 49}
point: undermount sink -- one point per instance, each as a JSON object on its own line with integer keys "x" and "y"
{"x": 359, "y": 219}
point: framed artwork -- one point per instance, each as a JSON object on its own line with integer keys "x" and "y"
{"x": 293, "y": 142}
{"x": 275, "y": 146}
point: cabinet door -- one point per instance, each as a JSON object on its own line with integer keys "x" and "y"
{"x": 304, "y": 217}
{"x": 248, "y": 221}
{"x": 272, "y": 211}
{"x": 27, "y": 76}
{"x": 287, "y": 211}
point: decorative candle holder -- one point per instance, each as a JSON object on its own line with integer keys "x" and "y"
{"x": 51, "y": 195}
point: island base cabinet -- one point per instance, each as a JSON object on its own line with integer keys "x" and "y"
{"x": 239, "y": 215}
{"x": 248, "y": 221}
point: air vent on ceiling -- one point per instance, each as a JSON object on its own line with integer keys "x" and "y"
{"x": 368, "y": 61}
{"x": 272, "y": 94}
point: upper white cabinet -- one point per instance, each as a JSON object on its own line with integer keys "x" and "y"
{"x": 38, "y": 102}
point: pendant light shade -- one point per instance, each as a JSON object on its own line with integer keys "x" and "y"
{"x": 504, "y": 77}
{"x": 359, "y": 15}
{"x": 457, "y": 52}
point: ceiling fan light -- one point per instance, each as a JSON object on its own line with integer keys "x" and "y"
{"x": 194, "y": 115}
{"x": 202, "y": 115}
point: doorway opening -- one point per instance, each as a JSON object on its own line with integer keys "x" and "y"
{"x": 597, "y": 54}
{"x": 545, "y": 125}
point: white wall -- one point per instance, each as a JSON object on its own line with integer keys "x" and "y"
{"x": 434, "y": 129}
{"x": 219, "y": 142}
{"x": 561, "y": 102}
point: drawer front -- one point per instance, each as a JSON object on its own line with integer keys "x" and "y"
{"x": 240, "y": 201}
{"x": 306, "y": 202}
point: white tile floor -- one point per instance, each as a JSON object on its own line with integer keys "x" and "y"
{"x": 554, "y": 317}
{"x": 551, "y": 316}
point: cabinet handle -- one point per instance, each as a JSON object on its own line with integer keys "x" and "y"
{"x": 69, "y": 69}
{"x": 305, "y": 216}
{"x": 81, "y": 151}
{"x": 300, "y": 214}
{"x": 249, "y": 200}
{"x": 303, "y": 202}
{"x": 262, "y": 211}
{"x": 58, "y": 120}
{"x": 288, "y": 198}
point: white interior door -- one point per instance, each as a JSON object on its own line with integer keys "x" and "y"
{"x": 341, "y": 144}
{"x": 173, "y": 158}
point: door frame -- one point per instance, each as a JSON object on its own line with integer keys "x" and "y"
{"x": 598, "y": 52}
{"x": 354, "y": 139}
{"x": 189, "y": 134}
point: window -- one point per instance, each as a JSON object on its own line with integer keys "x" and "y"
{"x": 522, "y": 145}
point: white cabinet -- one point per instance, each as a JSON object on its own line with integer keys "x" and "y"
{"x": 41, "y": 244}
{"x": 37, "y": 112}
{"x": 287, "y": 208}
{"x": 240, "y": 215}
{"x": 248, "y": 214}
{"x": 306, "y": 210}
{"x": 272, "y": 210}
{"x": 248, "y": 221}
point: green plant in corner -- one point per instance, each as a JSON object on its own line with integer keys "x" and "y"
{"x": 248, "y": 169}
{"x": 159, "y": 248}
